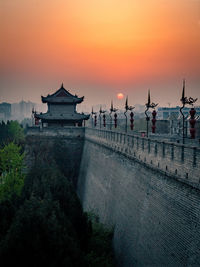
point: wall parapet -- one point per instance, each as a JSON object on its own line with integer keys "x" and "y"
{"x": 68, "y": 132}
{"x": 178, "y": 161}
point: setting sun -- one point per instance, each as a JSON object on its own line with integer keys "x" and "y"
{"x": 120, "y": 96}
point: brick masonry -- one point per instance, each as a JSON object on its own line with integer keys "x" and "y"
{"x": 40, "y": 146}
{"x": 154, "y": 210}
{"x": 146, "y": 189}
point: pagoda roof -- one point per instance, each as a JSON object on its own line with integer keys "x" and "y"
{"x": 62, "y": 96}
{"x": 62, "y": 117}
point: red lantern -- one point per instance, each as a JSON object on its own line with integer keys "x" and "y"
{"x": 154, "y": 113}
{"x": 131, "y": 120}
{"x": 36, "y": 121}
{"x": 115, "y": 120}
{"x": 192, "y": 123}
{"x": 95, "y": 120}
{"x": 104, "y": 120}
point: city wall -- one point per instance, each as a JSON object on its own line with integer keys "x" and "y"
{"x": 149, "y": 192}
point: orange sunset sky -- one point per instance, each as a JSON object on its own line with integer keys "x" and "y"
{"x": 100, "y": 48}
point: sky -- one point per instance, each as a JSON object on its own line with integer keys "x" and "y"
{"x": 100, "y": 48}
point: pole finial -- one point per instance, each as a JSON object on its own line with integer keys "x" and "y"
{"x": 149, "y": 97}
{"x": 126, "y": 103}
{"x": 183, "y": 92}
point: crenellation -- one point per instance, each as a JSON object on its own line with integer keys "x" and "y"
{"x": 172, "y": 158}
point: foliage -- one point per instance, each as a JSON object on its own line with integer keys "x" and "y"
{"x": 41, "y": 235}
{"x": 12, "y": 178}
{"x": 15, "y": 132}
{"x": 11, "y": 132}
{"x": 50, "y": 227}
{"x": 47, "y": 182}
{"x": 100, "y": 249}
{"x": 12, "y": 184}
{"x": 43, "y": 223}
{"x": 11, "y": 158}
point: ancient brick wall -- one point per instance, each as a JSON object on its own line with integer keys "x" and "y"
{"x": 149, "y": 192}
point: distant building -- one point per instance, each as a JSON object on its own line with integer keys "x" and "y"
{"x": 5, "y": 111}
{"x": 61, "y": 110}
{"x": 22, "y": 110}
{"x": 165, "y": 113}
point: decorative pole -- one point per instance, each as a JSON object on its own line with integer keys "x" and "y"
{"x": 192, "y": 123}
{"x": 95, "y": 120}
{"x": 100, "y": 117}
{"x": 131, "y": 120}
{"x": 112, "y": 109}
{"x": 101, "y": 112}
{"x": 183, "y": 100}
{"x": 35, "y": 117}
{"x": 93, "y": 113}
{"x": 33, "y": 112}
{"x": 115, "y": 119}
{"x": 127, "y": 107}
{"x": 148, "y": 106}
{"x": 110, "y": 114}
{"x": 154, "y": 113}
{"x": 104, "y": 120}
{"x": 190, "y": 101}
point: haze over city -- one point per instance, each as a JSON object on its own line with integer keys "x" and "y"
{"x": 99, "y": 49}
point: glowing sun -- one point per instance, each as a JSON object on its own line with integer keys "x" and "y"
{"x": 120, "y": 96}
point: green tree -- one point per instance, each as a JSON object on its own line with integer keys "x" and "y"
{"x": 3, "y": 133}
{"x": 43, "y": 223}
{"x": 41, "y": 235}
{"x": 50, "y": 227}
{"x": 100, "y": 251}
{"x": 11, "y": 132}
{"x": 15, "y": 132}
{"x": 11, "y": 165}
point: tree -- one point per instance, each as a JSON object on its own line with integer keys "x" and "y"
{"x": 11, "y": 132}
{"x": 11, "y": 165}
{"x": 41, "y": 235}
{"x": 15, "y": 132}
{"x": 50, "y": 227}
{"x": 43, "y": 223}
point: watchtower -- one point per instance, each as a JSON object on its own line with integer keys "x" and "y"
{"x": 61, "y": 110}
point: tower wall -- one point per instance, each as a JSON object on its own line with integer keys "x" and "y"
{"x": 61, "y": 108}
{"x": 64, "y": 144}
